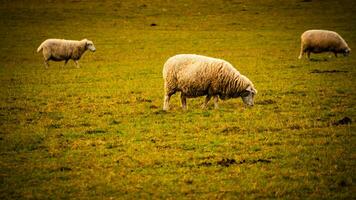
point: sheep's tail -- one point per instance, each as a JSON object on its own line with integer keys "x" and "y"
{"x": 40, "y": 48}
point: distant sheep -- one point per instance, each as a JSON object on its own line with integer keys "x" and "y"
{"x": 318, "y": 41}
{"x": 59, "y": 49}
{"x": 195, "y": 75}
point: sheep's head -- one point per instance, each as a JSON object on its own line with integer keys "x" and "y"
{"x": 248, "y": 95}
{"x": 347, "y": 51}
{"x": 89, "y": 45}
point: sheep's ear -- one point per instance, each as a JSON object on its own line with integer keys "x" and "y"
{"x": 251, "y": 89}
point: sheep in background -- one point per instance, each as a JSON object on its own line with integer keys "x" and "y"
{"x": 59, "y": 49}
{"x": 195, "y": 75}
{"x": 318, "y": 41}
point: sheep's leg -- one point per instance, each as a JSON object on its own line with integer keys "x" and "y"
{"x": 335, "y": 54}
{"x": 46, "y": 63}
{"x": 301, "y": 52}
{"x": 166, "y": 102}
{"x": 183, "y": 99}
{"x": 216, "y": 99}
{"x": 76, "y": 63}
{"x": 308, "y": 53}
{"x": 205, "y": 104}
{"x": 65, "y": 62}
{"x": 167, "y": 97}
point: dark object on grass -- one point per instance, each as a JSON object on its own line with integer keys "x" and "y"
{"x": 317, "y": 71}
{"x": 62, "y": 169}
{"x": 153, "y": 24}
{"x": 266, "y": 102}
{"x": 95, "y": 131}
{"x": 206, "y": 164}
{"x": 318, "y": 59}
{"x": 153, "y": 107}
{"x": 343, "y": 121}
{"x": 260, "y": 160}
{"x": 226, "y": 162}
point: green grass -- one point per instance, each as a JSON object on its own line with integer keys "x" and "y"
{"x": 99, "y": 131}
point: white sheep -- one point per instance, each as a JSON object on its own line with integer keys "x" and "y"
{"x": 318, "y": 41}
{"x": 59, "y": 49}
{"x": 196, "y": 75}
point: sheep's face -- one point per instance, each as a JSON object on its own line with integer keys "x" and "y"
{"x": 90, "y": 46}
{"x": 347, "y": 51}
{"x": 248, "y": 95}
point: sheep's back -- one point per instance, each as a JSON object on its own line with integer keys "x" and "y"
{"x": 62, "y": 49}
{"x": 195, "y": 74}
{"x": 322, "y": 39}
{"x": 191, "y": 68}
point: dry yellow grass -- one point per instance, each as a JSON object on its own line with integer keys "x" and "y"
{"x": 99, "y": 132}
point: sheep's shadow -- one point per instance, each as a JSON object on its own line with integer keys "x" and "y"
{"x": 318, "y": 59}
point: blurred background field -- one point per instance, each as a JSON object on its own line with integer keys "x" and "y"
{"x": 99, "y": 131}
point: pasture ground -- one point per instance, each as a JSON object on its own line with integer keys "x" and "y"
{"x": 99, "y": 131}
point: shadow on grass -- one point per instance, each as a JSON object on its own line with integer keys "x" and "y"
{"x": 95, "y": 131}
{"x": 343, "y": 121}
{"x": 266, "y": 102}
{"x": 318, "y": 59}
{"x": 227, "y": 162}
{"x": 54, "y": 126}
{"x": 317, "y": 71}
{"x": 160, "y": 112}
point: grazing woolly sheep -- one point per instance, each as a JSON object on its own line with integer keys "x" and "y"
{"x": 58, "y": 50}
{"x": 318, "y": 41}
{"x": 195, "y": 75}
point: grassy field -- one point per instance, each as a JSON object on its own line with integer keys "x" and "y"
{"x": 99, "y": 131}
